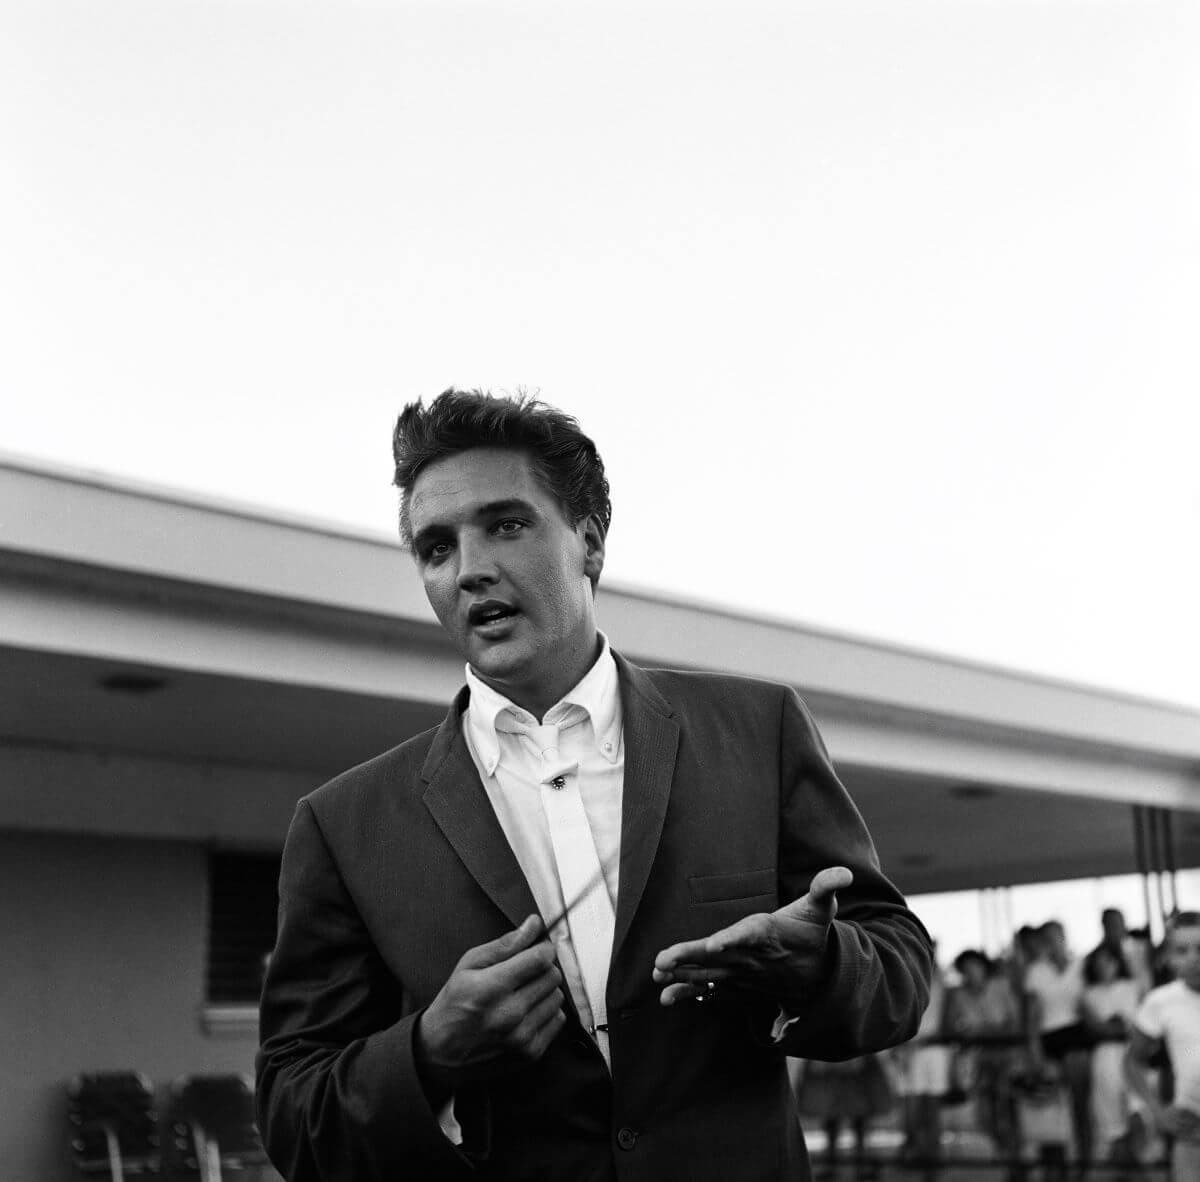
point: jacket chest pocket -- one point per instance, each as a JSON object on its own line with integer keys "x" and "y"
{"x": 747, "y": 886}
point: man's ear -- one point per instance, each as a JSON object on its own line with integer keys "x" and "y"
{"x": 593, "y": 548}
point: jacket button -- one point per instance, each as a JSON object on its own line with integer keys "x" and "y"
{"x": 627, "y": 1138}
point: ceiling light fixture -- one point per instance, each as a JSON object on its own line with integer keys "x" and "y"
{"x": 972, "y": 791}
{"x": 132, "y": 683}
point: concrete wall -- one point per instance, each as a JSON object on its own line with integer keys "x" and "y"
{"x": 103, "y": 945}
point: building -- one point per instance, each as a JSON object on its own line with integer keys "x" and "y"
{"x": 176, "y": 672}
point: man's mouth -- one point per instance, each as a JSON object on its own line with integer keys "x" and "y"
{"x": 490, "y": 616}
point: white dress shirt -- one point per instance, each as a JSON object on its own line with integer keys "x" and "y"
{"x": 590, "y": 737}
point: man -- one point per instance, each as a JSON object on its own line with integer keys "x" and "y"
{"x": 1170, "y": 1016}
{"x": 430, "y": 1011}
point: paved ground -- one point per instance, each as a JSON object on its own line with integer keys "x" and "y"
{"x": 981, "y": 1171}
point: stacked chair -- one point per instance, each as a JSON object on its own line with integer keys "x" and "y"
{"x": 114, "y": 1125}
{"x": 209, "y": 1128}
{"x": 212, "y": 1127}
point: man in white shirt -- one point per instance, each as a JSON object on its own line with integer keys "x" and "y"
{"x": 573, "y": 932}
{"x": 1170, "y": 1016}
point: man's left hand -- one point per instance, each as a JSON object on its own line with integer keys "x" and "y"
{"x": 780, "y": 954}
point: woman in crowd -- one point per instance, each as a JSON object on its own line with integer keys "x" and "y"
{"x": 854, "y": 1091}
{"x": 1110, "y": 999}
{"x": 923, "y": 1080}
{"x": 983, "y": 1018}
{"x": 1058, "y": 1035}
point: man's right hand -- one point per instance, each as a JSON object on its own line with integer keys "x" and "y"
{"x": 499, "y": 1011}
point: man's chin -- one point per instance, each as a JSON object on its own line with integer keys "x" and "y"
{"x": 498, "y": 660}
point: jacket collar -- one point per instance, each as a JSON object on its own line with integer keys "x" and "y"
{"x": 596, "y": 693}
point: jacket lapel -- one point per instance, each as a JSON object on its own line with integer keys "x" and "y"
{"x": 651, "y": 738}
{"x": 458, "y": 803}
{"x": 460, "y": 807}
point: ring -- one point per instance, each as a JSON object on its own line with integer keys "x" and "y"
{"x": 710, "y": 988}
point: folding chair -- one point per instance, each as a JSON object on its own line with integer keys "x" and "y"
{"x": 213, "y": 1127}
{"x": 114, "y": 1124}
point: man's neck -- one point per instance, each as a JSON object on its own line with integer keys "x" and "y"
{"x": 539, "y": 699}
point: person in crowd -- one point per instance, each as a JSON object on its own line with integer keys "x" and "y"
{"x": 574, "y": 931}
{"x": 922, "y": 1076}
{"x": 1169, "y": 1017}
{"x": 1026, "y": 948}
{"x": 983, "y": 1019}
{"x": 854, "y": 1093}
{"x": 1127, "y": 948}
{"x": 1141, "y": 959}
{"x": 1058, "y": 1036}
{"x": 1162, "y": 971}
{"x": 1110, "y": 999}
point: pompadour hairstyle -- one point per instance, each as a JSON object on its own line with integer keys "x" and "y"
{"x": 564, "y": 459}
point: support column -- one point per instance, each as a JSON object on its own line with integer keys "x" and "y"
{"x": 1168, "y": 846}
{"x": 1143, "y": 863}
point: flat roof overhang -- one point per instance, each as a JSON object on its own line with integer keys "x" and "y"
{"x": 289, "y": 650}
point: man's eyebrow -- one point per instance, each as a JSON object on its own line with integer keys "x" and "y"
{"x": 509, "y": 505}
{"x": 437, "y": 529}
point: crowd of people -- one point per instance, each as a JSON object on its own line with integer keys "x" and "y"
{"x": 1092, "y": 1059}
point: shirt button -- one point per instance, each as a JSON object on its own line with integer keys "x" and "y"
{"x": 627, "y": 1138}
{"x": 607, "y": 746}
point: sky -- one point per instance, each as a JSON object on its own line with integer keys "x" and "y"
{"x": 883, "y": 315}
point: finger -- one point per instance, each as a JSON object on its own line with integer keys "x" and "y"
{"x": 689, "y": 951}
{"x": 545, "y": 1035}
{"x": 680, "y": 992}
{"x": 721, "y": 947}
{"x": 519, "y": 970}
{"x": 542, "y": 986}
{"x": 822, "y": 891}
{"x": 523, "y": 1033}
{"x": 503, "y": 947}
{"x": 510, "y": 1013}
{"x": 543, "y": 1011}
{"x": 819, "y": 904}
{"x": 697, "y": 974}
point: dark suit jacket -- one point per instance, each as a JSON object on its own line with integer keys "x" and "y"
{"x": 393, "y": 870}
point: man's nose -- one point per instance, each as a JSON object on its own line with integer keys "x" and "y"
{"x": 476, "y": 566}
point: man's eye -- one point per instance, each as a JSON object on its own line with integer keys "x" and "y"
{"x": 510, "y": 526}
{"x": 436, "y": 550}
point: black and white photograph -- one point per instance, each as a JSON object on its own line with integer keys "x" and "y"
{"x": 600, "y": 592}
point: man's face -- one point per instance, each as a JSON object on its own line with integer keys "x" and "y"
{"x": 507, "y": 575}
{"x": 1183, "y": 955}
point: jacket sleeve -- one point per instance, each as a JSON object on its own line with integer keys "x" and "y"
{"x": 339, "y": 1097}
{"x": 879, "y": 958}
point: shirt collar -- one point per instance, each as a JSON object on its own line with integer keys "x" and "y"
{"x": 597, "y": 693}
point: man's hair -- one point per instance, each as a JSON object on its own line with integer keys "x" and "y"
{"x": 564, "y": 459}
